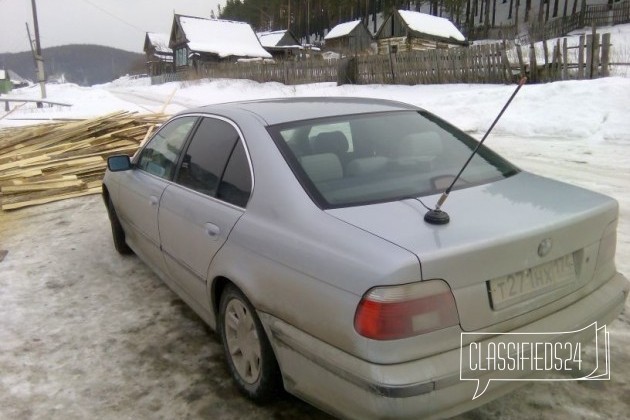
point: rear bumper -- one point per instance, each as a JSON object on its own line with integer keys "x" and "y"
{"x": 350, "y": 387}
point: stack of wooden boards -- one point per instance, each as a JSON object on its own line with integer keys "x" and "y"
{"x": 49, "y": 162}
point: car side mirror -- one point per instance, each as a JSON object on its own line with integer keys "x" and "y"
{"x": 118, "y": 163}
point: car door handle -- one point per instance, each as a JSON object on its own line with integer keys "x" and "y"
{"x": 212, "y": 230}
{"x": 154, "y": 201}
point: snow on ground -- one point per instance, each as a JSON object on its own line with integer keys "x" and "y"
{"x": 86, "y": 332}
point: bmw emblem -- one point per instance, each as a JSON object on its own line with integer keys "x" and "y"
{"x": 544, "y": 247}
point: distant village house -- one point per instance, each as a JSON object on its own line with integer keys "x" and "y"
{"x": 5, "y": 82}
{"x": 405, "y": 30}
{"x": 280, "y": 44}
{"x": 159, "y": 56}
{"x": 197, "y": 41}
{"x": 11, "y": 80}
{"x": 349, "y": 37}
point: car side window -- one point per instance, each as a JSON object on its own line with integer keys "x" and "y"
{"x": 236, "y": 185}
{"x": 207, "y": 155}
{"x": 160, "y": 155}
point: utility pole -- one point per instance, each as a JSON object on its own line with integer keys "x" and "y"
{"x": 41, "y": 77}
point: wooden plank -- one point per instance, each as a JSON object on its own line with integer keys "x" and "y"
{"x": 39, "y": 186}
{"x": 34, "y": 202}
{"x": 37, "y": 180}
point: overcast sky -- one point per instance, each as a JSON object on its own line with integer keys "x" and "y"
{"x": 114, "y": 23}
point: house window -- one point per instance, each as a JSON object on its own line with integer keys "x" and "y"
{"x": 181, "y": 56}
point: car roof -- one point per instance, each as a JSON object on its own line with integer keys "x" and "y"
{"x": 281, "y": 110}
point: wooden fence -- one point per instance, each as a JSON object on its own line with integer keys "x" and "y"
{"x": 490, "y": 63}
{"x": 590, "y": 15}
{"x": 287, "y": 72}
{"x": 589, "y": 59}
{"x": 621, "y": 13}
{"x": 476, "y": 64}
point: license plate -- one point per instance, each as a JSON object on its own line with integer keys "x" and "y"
{"x": 523, "y": 285}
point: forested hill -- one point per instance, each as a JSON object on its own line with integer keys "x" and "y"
{"x": 84, "y": 65}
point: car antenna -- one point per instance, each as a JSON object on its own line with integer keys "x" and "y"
{"x": 440, "y": 217}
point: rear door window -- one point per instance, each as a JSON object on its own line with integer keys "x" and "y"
{"x": 206, "y": 157}
{"x": 216, "y": 163}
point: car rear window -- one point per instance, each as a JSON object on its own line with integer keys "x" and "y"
{"x": 371, "y": 158}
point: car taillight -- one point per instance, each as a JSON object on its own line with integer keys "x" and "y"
{"x": 394, "y": 312}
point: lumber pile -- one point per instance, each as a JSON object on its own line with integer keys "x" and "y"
{"x": 49, "y": 162}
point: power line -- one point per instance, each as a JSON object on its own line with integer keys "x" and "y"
{"x": 112, "y": 15}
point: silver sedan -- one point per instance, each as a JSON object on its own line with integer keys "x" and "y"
{"x": 296, "y": 229}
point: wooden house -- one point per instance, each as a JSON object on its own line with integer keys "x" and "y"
{"x": 159, "y": 56}
{"x": 198, "y": 41}
{"x": 280, "y": 44}
{"x": 405, "y": 30}
{"x": 349, "y": 37}
{"x": 5, "y": 82}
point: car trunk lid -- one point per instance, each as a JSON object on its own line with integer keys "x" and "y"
{"x": 511, "y": 248}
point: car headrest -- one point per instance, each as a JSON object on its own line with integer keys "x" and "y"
{"x": 322, "y": 167}
{"x": 330, "y": 142}
{"x": 364, "y": 166}
{"x": 420, "y": 144}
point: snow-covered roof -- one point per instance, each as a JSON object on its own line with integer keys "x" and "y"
{"x": 342, "y": 29}
{"x": 431, "y": 25}
{"x": 159, "y": 42}
{"x": 16, "y": 78}
{"x": 221, "y": 37}
{"x": 270, "y": 39}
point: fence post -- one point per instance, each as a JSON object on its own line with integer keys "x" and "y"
{"x": 507, "y": 67}
{"x": 391, "y": 67}
{"x": 605, "y": 55}
{"x": 557, "y": 59}
{"x": 580, "y": 74}
{"x": 545, "y": 74}
{"x": 521, "y": 63}
{"x": 595, "y": 55}
{"x": 347, "y": 71}
{"x": 589, "y": 56}
{"x": 533, "y": 67}
{"x": 565, "y": 60}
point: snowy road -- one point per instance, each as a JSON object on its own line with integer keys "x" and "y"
{"x": 87, "y": 333}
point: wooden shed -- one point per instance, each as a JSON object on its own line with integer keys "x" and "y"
{"x": 405, "y": 30}
{"x": 280, "y": 44}
{"x": 159, "y": 56}
{"x": 196, "y": 41}
{"x": 349, "y": 37}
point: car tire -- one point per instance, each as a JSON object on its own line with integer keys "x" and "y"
{"x": 249, "y": 355}
{"x": 118, "y": 234}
